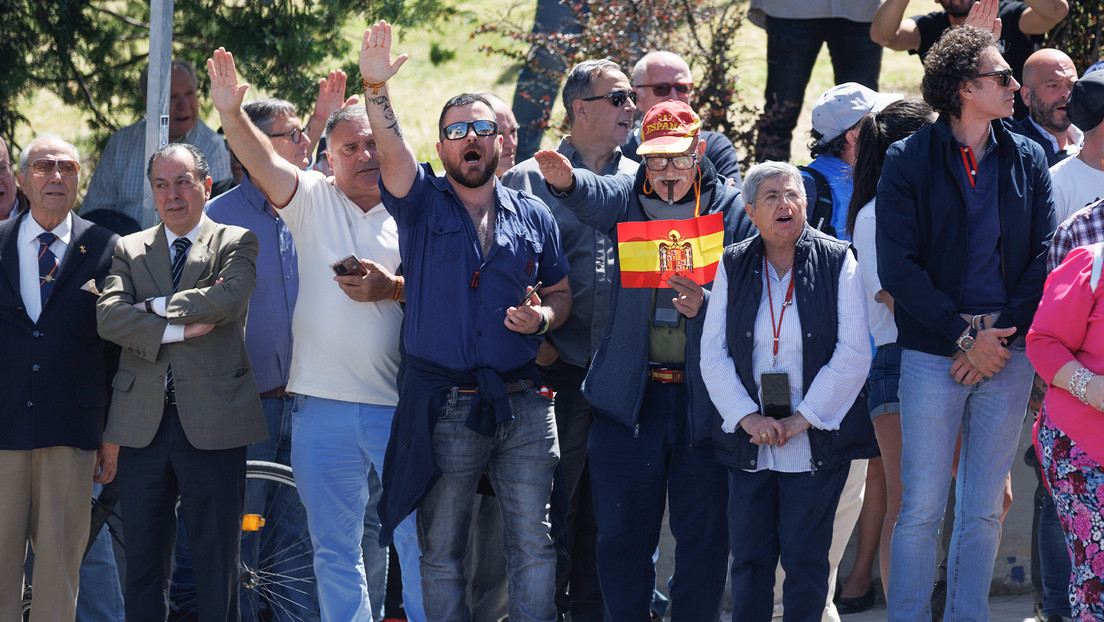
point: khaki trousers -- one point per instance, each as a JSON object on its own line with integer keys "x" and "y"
{"x": 45, "y": 494}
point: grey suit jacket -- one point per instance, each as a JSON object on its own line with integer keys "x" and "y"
{"x": 216, "y": 394}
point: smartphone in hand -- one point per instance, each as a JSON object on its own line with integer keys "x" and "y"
{"x": 348, "y": 266}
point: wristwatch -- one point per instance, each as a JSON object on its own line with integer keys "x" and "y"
{"x": 966, "y": 341}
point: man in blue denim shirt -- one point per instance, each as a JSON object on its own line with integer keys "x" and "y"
{"x": 474, "y": 255}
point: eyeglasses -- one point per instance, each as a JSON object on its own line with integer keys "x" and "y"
{"x": 772, "y": 199}
{"x": 45, "y": 166}
{"x": 1004, "y": 76}
{"x": 663, "y": 89}
{"x": 681, "y": 162}
{"x": 460, "y": 130}
{"x": 617, "y": 98}
{"x": 296, "y": 135}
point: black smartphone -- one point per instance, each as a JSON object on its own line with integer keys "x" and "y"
{"x": 348, "y": 266}
{"x": 664, "y": 312}
{"x": 775, "y": 387}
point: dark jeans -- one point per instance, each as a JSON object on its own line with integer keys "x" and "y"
{"x": 572, "y": 512}
{"x": 785, "y": 516}
{"x": 792, "y": 49}
{"x": 635, "y": 474}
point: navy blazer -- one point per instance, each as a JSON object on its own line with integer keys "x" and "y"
{"x": 57, "y": 372}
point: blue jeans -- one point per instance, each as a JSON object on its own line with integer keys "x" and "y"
{"x": 334, "y": 446}
{"x": 1054, "y": 560}
{"x": 933, "y": 408}
{"x": 635, "y": 474}
{"x": 519, "y": 460}
{"x": 100, "y": 598}
{"x": 792, "y": 49}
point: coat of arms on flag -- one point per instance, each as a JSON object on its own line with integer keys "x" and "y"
{"x": 650, "y": 252}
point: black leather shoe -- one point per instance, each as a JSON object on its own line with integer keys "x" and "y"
{"x": 857, "y": 604}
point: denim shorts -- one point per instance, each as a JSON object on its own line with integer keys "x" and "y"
{"x": 885, "y": 375}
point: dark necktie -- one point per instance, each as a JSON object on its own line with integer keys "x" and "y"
{"x": 47, "y": 265}
{"x": 180, "y": 247}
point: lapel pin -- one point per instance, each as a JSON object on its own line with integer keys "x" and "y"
{"x": 83, "y": 250}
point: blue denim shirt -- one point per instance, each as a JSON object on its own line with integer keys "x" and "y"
{"x": 456, "y": 299}
{"x": 268, "y": 326}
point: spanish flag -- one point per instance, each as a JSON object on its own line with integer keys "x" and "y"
{"x": 652, "y": 251}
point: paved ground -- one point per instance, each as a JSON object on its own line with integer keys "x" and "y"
{"x": 1001, "y": 609}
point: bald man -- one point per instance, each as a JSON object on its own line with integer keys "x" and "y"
{"x": 1048, "y": 78}
{"x": 665, "y": 76}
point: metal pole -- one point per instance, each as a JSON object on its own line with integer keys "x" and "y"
{"x": 157, "y": 94}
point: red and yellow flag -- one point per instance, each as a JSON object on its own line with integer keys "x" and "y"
{"x": 652, "y": 251}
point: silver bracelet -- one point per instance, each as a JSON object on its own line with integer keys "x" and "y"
{"x": 1079, "y": 383}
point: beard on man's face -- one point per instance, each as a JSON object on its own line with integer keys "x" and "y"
{"x": 472, "y": 177}
{"x": 1048, "y": 116}
{"x": 956, "y": 8}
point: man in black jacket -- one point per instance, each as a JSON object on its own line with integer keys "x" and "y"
{"x": 964, "y": 221}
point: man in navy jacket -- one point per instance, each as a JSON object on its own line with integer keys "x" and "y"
{"x": 57, "y": 371}
{"x": 964, "y": 222}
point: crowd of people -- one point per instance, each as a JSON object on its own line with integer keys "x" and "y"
{"x": 482, "y": 369}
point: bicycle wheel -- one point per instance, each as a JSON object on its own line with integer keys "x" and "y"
{"x": 277, "y": 559}
{"x": 277, "y": 570}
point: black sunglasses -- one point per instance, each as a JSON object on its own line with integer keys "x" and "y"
{"x": 617, "y": 98}
{"x": 663, "y": 89}
{"x": 460, "y": 130}
{"x": 296, "y": 135}
{"x": 1004, "y": 76}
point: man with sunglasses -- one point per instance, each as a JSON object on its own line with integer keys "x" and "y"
{"x": 965, "y": 217}
{"x": 649, "y": 445}
{"x": 475, "y": 254}
{"x": 599, "y": 125}
{"x": 57, "y": 372}
{"x": 345, "y": 332}
{"x": 665, "y": 76}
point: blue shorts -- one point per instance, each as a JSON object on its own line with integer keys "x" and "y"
{"x": 885, "y": 375}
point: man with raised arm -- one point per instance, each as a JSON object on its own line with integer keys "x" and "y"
{"x": 345, "y": 334}
{"x": 474, "y": 254}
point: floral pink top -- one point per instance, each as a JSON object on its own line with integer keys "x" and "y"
{"x": 1070, "y": 325}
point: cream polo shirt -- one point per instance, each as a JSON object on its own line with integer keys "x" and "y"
{"x": 343, "y": 349}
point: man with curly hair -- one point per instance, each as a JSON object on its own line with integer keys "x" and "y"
{"x": 965, "y": 216}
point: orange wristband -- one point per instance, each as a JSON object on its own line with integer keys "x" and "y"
{"x": 398, "y": 289}
{"x": 375, "y": 87}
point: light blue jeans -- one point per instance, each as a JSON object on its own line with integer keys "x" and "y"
{"x": 334, "y": 444}
{"x": 933, "y": 408}
{"x": 520, "y": 460}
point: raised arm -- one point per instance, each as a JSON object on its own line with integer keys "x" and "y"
{"x": 598, "y": 201}
{"x": 331, "y": 98}
{"x": 891, "y": 30}
{"x": 398, "y": 166}
{"x": 275, "y": 176}
{"x": 1042, "y": 15}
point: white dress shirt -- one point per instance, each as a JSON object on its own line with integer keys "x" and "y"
{"x": 825, "y": 403}
{"x": 174, "y": 333}
{"x": 29, "y": 230}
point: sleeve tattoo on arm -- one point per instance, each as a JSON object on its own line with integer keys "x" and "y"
{"x": 384, "y": 103}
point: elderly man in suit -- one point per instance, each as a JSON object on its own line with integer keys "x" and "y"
{"x": 185, "y": 402}
{"x": 56, "y": 372}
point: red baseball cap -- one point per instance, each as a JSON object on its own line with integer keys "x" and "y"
{"x": 669, "y": 127}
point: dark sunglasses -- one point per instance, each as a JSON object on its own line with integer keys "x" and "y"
{"x": 1004, "y": 76}
{"x": 659, "y": 163}
{"x": 460, "y": 130}
{"x": 663, "y": 89}
{"x": 296, "y": 135}
{"x": 44, "y": 166}
{"x": 617, "y": 98}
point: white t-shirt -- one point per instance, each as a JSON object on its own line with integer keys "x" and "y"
{"x": 343, "y": 349}
{"x": 1075, "y": 185}
{"x": 882, "y": 327}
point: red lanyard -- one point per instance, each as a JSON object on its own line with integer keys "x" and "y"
{"x": 970, "y": 163}
{"x": 785, "y": 303}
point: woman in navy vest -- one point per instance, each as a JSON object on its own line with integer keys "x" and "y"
{"x": 785, "y": 353}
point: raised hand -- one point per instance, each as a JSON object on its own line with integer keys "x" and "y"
{"x": 983, "y": 15}
{"x": 556, "y": 169}
{"x": 331, "y": 94}
{"x": 226, "y": 93}
{"x": 376, "y": 65}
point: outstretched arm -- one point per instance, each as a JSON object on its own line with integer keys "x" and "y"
{"x": 891, "y": 30}
{"x": 1042, "y": 15}
{"x": 398, "y": 166}
{"x": 275, "y": 176}
{"x": 331, "y": 98}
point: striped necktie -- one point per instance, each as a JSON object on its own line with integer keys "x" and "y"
{"x": 180, "y": 247}
{"x": 47, "y": 265}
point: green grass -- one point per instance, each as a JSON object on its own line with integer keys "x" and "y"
{"x": 422, "y": 86}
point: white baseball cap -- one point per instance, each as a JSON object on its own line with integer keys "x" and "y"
{"x": 844, "y": 105}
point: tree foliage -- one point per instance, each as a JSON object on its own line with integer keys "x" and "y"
{"x": 1081, "y": 34}
{"x": 91, "y": 52}
{"x": 702, "y": 31}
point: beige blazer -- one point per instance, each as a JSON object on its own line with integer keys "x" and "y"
{"x": 216, "y": 393}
